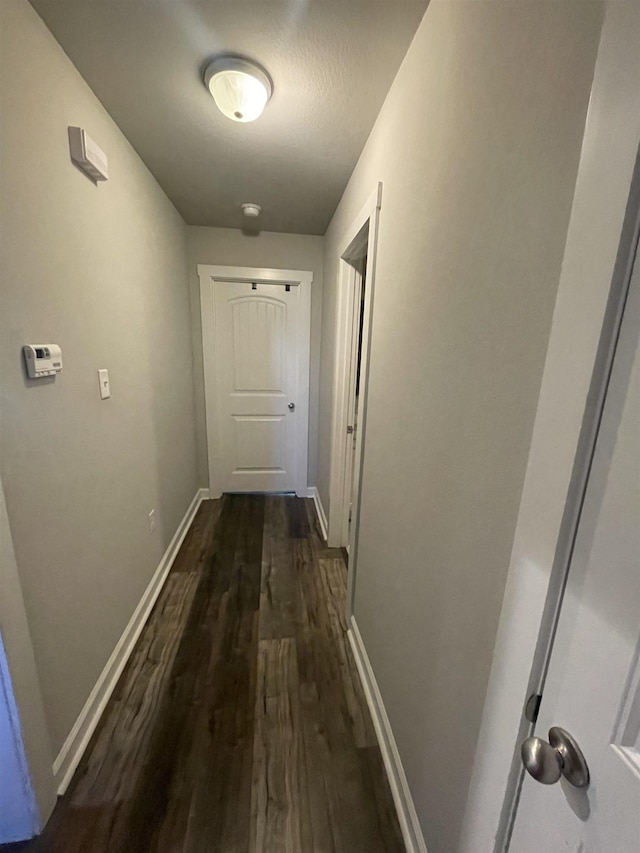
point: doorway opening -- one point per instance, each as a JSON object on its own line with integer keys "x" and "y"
{"x": 256, "y": 330}
{"x": 354, "y": 314}
{"x": 355, "y": 372}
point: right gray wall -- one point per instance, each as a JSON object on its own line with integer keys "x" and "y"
{"x": 477, "y": 146}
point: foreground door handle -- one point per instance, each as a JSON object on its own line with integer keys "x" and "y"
{"x": 562, "y": 756}
{"x": 292, "y": 407}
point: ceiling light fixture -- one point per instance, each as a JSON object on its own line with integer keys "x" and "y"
{"x": 240, "y": 88}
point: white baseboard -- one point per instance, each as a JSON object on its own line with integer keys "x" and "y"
{"x": 69, "y": 756}
{"x": 312, "y": 492}
{"x": 409, "y": 824}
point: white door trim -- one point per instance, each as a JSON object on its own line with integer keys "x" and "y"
{"x": 208, "y": 275}
{"x": 351, "y": 246}
{"x": 596, "y": 253}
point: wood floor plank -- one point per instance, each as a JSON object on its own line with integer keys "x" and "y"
{"x": 172, "y": 735}
{"x": 331, "y": 577}
{"x": 299, "y": 527}
{"x": 215, "y": 580}
{"x": 334, "y": 723}
{"x": 317, "y": 756}
{"x": 219, "y": 760}
{"x": 315, "y": 537}
{"x": 120, "y": 747}
{"x": 196, "y": 548}
{"x": 278, "y": 592}
{"x": 374, "y": 776}
{"x": 325, "y": 654}
{"x": 239, "y": 724}
{"x": 280, "y": 806}
{"x": 341, "y": 813}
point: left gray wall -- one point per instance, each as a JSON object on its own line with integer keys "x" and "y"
{"x": 102, "y": 271}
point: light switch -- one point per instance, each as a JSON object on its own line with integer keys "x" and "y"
{"x": 105, "y": 388}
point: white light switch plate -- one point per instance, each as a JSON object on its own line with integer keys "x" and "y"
{"x": 105, "y": 387}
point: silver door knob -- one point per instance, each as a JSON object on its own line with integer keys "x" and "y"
{"x": 562, "y": 756}
{"x": 292, "y": 407}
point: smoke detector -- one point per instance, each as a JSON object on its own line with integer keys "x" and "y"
{"x": 251, "y": 210}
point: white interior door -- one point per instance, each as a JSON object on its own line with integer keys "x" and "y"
{"x": 261, "y": 420}
{"x": 593, "y": 684}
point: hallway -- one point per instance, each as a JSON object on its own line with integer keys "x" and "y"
{"x": 187, "y": 194}
{"x": 239, "y": 723}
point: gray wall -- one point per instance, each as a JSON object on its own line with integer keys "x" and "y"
{"x": 477, "y": 145}
{"x": 230, "y": 247}
{"x": 21, "y": 680}
{"x": 102, "y": 271}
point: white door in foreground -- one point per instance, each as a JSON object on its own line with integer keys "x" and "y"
{"x": 593, "y": 685}
{"x": 256, "y": 331}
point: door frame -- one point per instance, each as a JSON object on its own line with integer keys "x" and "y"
{"x": 595, "y": 272}
{"x": 209, "y": 275}
{"x": 357, "y": 278}
{"x": 360, "y": 238}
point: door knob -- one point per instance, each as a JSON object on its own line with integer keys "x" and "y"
{"x": 562, "y": 756}
{"x": 292, "y": 407}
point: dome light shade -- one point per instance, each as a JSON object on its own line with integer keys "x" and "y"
{"x": 240, "y": 88}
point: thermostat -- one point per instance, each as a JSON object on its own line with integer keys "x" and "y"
{"x": 89, "y": 156}
{"x": 42, "y": 360}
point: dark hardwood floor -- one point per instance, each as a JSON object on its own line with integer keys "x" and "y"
{"x": 239, "y": 724}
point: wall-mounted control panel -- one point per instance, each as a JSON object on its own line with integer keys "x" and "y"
{"x": 88, "y": 155}
{"x": 42, "y": 360}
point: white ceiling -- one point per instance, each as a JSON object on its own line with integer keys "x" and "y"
{"x": 332, "y": 62}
